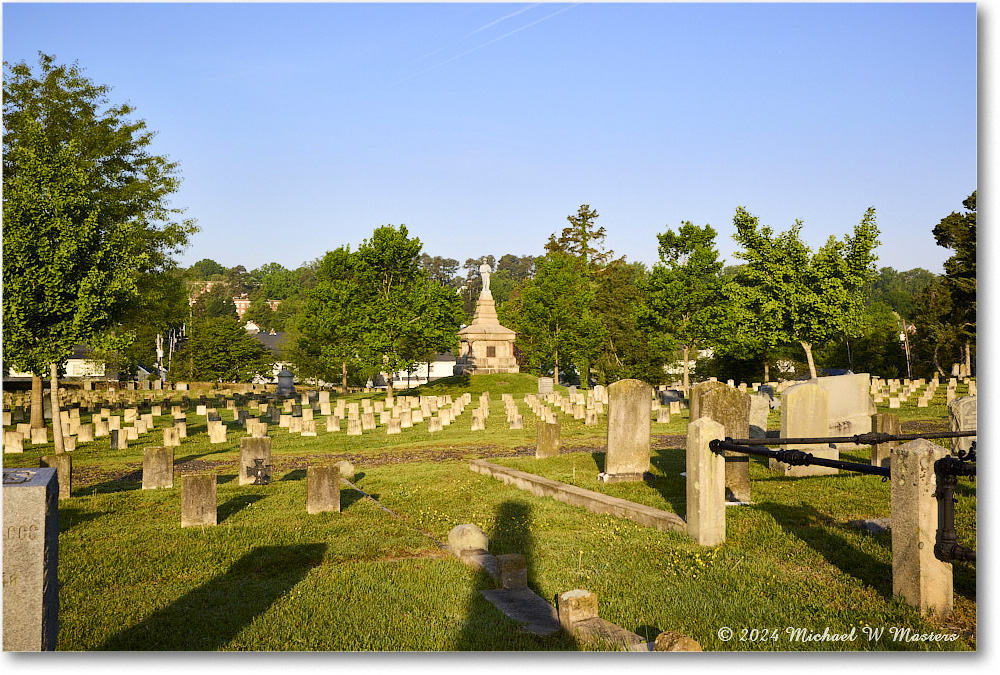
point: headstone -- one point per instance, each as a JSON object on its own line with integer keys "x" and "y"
{"x": 467, "y": 537}
{"x": 434, "y": 425}
{"x": 548, "y": 440}
{"x": 354, "y": 427}
{"x": 63, "y": 463}
{"x": 850, "y": 405}
{"x": 962, "y": 417}
{"x": 217, "y": 432}
{"x": 545, "y": 385}
{"x": 694, "y": 397}
{"x": 13, "y": 441}
{"x": 119, "y": 439}
{"x": 86, "y": 433}
{"x": 332, "y": 423}
{"x": 760, "y": 406}
{"x": 198, "y": 499}
{"x": 308, "y": 427}
{"x": 30, "y": 559}
{"x": 629, "y": 427}
{"x": 513, "y": 570}
{"x": 884, "y": 423}
{"x": 40, "y": 436}
{"x": 250, "y": 450}
{"x": 731, "y": 408}
{"x": 924, "y": 581}
{"x": 706, "y": 483}
{"x": 322, "y": 489}
{"x": 803, "y": 415}
{"x": 157, "y": 467}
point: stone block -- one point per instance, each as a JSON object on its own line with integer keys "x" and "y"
{"x": 548, "y": 440}
{"x": 13, "y": 441}
{"x": 575, "y": 606}
{"x": 308, "y": 427}
{"x": 917, "y": 575}
{"x": 30, "y": 559}
{"x": 804, "y": 415}
{"x": 962, "y": 417}
{"x": 251, "y": 449}
{"x": 706, "y": 483}
{"x": 731, "y": 408}
{"x": 86, "y": 433}
{"x": 513, "y": 570}
{"x": 40, "y": 436}
{"x": 884, "y": 423}
{"x": 629, "y": 429}
{"x": 157, "y": 467}
{"x": 672, "y": 641}
{"x": 467, "y": 537}
{"x": 333, "y": 423}
{"x": 322, "y": 489}
{"x": 217, "y": 432}
{"x": 198, "y": 499}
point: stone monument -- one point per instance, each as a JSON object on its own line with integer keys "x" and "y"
{"x": 486, "y": 346}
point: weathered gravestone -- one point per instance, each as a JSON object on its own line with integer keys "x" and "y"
{"x": 157, "y": 467}
{"x": 13, "y": 441}
{"x": 629, "y": 425}
{"x": 924, "y": 581}
{"x": 730, "y": 408}
{"x": 198, "y": 499}
{"x": 804, "y": 415}
{"x": 760, "y": 406}
{"x": 962, "y": 417}
{"x": 694, "y": 397}
{"x": 548, "y": 440}
{"x": 545, "y": 385}
{"x": 171, "y": 437}
{"x": 253, "y": 449}
{"x": 706, "y": 483}
{"x": 322, "y": 489}
{"x": 30, "y": 559}
{"x": 850, "y": 405}
{"x": 884, "y": 423}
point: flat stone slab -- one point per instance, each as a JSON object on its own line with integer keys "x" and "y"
{"x": 595, "y": 502}
{"x": 526, "y": 607}
{"x": 481, "y": 560}
{"x": 600, "y": 631}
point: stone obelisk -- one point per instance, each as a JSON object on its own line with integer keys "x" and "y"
{"x": 486, "y": 346}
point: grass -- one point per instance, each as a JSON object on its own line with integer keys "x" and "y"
{"x": 271, "y": 577}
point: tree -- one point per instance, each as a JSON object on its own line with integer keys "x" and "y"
{"x": 220, "y": 349}
{"x": 260, "y": 313}
{"x": 785, "y": 293}
{"x": 378, "y": 307}
{"x": 957, "y": 232}
{"x": 627, "y": 350}
{"x": 582, "y": 239}
{"x": 86, "y": 213}
{"x": 205, "y": 269}
{"x": 553, "y": 316}
{"x": 684, "y": 291}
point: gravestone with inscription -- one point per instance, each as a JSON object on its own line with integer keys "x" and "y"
{"x": 629, "y": 424}
{"x": 30, "y": 559}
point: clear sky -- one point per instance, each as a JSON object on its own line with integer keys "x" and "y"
{"x": 299, "y": 128}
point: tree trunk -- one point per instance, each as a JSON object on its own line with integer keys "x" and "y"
{"x": 388, "y": 386}
{"x": 809, "y": 358}
{"x": 936, "y": 364}
{"x": 767, "y": 372}
{"x": 557, "y": 367}
{"x": 57, "y": 429}
{"x": 968, "y": 359}
{"x": 343, "y": 376}
{"x": 37, "y": 404}
{"x": 686, "y": 367}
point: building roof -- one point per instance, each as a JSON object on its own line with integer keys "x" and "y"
{"x": 274, "y": 342}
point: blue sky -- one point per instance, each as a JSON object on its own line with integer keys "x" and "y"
{"x": 299, "y": 128}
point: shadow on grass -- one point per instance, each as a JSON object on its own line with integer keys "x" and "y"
{"x": 672, "y": 486}
{"x": 294, "y": 474}
{"x": 818, "y": 532}
{"x": 210, "y": 616}
{"x": 236, "y": 504}
{"x": 70, "y": 517}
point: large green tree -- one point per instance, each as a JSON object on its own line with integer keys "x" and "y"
{"x": 786, "y": 293}
{"x": 86, "y": 214}
{"x": 957, "y": 232}
{"x": 683, "y": 292}
{"x": 220, "y": 349}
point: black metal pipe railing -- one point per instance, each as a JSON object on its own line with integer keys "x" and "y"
{"x": 947, "y": 470}
{"x": 796, "y": 457}
{"x": 873, "y": 438}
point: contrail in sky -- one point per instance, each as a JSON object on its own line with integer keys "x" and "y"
{"x": 481, "y": 28}
{"x": 488, "y": 42}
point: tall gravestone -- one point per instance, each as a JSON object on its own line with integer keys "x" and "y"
{"x": 253, "y": 448}
{"x": 199, "y": 505}
{"x": 157, "y": 467}
{"x": 629, "y": 426}
{"x": 804, "y": 415}
{"x": 548, "y": 439}
{"x": 30, "y": 559}
{"x": 962, "y": 417}
{"x": 694, "y": 397}
{"x": 850, "y": 406}
{"x": 730, "y": 408}
{"x": 322, "y": 488}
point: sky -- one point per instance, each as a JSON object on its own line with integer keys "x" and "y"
{"x": 481, "y": 127}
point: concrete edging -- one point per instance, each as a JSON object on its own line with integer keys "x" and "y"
{"x": 595, "y": 502}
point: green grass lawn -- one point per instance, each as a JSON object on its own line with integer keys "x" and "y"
{"x": 271, "y": 577}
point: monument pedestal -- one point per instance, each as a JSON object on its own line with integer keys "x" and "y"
{"x": 486, "y": 346}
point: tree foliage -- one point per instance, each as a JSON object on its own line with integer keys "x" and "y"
{"x": 220, "y": 349}
{"x": 86, "y": 214}
{"x": 785, "y": 293}
{"x": 957, "y": 232}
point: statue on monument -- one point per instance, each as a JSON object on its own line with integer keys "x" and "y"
{"x": 484, "y": 271}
